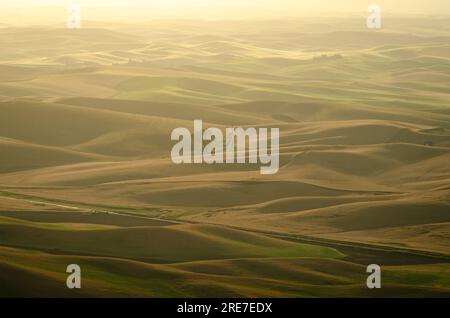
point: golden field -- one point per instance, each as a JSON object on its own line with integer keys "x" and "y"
{"x": 86, "y": 175}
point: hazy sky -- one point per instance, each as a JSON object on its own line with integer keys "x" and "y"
{"x": 22, "y": 11}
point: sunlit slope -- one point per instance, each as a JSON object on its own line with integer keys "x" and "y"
{"x": 234, "y": 278}
{"x": 63, "y": 125}
{"x": 177, "y": 62}
{"x": 156, "y": 244}
{"x": 210, "y": 114}
{"x": 82, "y": 130}
{"x": 371, "y": 149}
{"x": 416, "y": 221}
{"x": 85, "y": 121}
{"x": 333, "y": 173}
{"x": 16, "y": 156}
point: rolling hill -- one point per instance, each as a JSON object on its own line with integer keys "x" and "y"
{"x": 86, "y": 175}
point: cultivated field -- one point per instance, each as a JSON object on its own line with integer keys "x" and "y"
{"x": 86, "y": 175}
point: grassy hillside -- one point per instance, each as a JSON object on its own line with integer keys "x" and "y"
{"x": 235, "y": 278}
{"x": 86, "y": 175}
{"x": 156, "y": 244}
